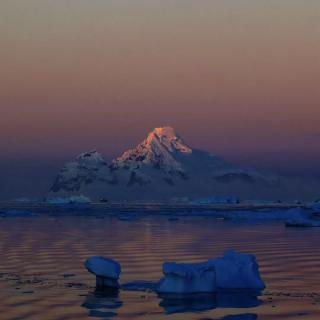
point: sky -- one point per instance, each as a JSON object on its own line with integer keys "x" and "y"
{"x": 237, "y": 78}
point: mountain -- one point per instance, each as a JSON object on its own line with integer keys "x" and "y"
{"x": 162, "y": 167}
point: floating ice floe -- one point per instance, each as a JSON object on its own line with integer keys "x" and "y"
{"x": 303, "y": 222}
{"x": 17, "y": 213}
{"x": 107, "y": 271}
{"x": 302, "y": 218}
{"x": 315, "y": 207}
{"x": 232, "y": 271}
{"x": 264, "y": 214}
{"x": 216, "y": 200}
{"x": 27, "y": 200}
{"x": 69, "y": 200}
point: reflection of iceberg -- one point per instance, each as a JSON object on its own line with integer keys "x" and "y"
{"x": 140, "y": 285}
{"x": 103, "y": 303}
{"x": 246, "y": 316}
{"x": 101, "y": 314}
{"x": 188, "y": 303}
{"x": 238, "y": 299}
{"x": 177, "y": 303}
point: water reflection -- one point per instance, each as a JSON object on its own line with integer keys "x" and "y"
{"x": 50, "y": 247}
{"x": 102, "y": 304}
{"x": 246, "y": 316}
{"x": 203, "y": 302}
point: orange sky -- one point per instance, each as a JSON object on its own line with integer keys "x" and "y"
{"x": 240, "y": 78}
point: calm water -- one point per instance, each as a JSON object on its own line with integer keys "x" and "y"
{"x": 42, "y": 274}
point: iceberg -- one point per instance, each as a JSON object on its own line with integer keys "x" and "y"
{"x": 107, "y": 271}
{"x": 237, "y": 271}
{"x": 232, "y": 271}
{"x": 187, "y": 278}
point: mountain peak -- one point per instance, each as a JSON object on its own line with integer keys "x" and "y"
{"x": 158, "y": 149}
{"x": 168, "y": 138}
{"x": 167, "y": 132}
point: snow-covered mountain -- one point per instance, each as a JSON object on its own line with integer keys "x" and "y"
{"x": 162, "y": 166}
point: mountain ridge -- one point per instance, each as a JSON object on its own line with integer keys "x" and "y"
{"x": 161, "y": 166}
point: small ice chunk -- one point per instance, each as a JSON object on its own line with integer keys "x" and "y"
{"x": 107, "y": 271}
{"x": 237, "y": 271}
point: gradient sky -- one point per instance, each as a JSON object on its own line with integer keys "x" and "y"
{"x": 235, "y": 77}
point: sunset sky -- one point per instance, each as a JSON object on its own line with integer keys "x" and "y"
{"x": 238, "y": 78}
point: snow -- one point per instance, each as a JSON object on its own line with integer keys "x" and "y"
{"x": 168, "y": 137}
{"x": 157, "y": 150}
{"x": 233, "y": 174}
{"x": 107, "y": 271}
{"x": 91, "y": 157}
{"x": 232, "y": 271}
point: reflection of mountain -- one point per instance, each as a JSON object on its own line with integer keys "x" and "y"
{"x": 161, "y": 167}
{"x": 202, "y": 302}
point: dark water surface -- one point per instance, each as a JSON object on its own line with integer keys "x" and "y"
{"x": 42, "y": 274}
